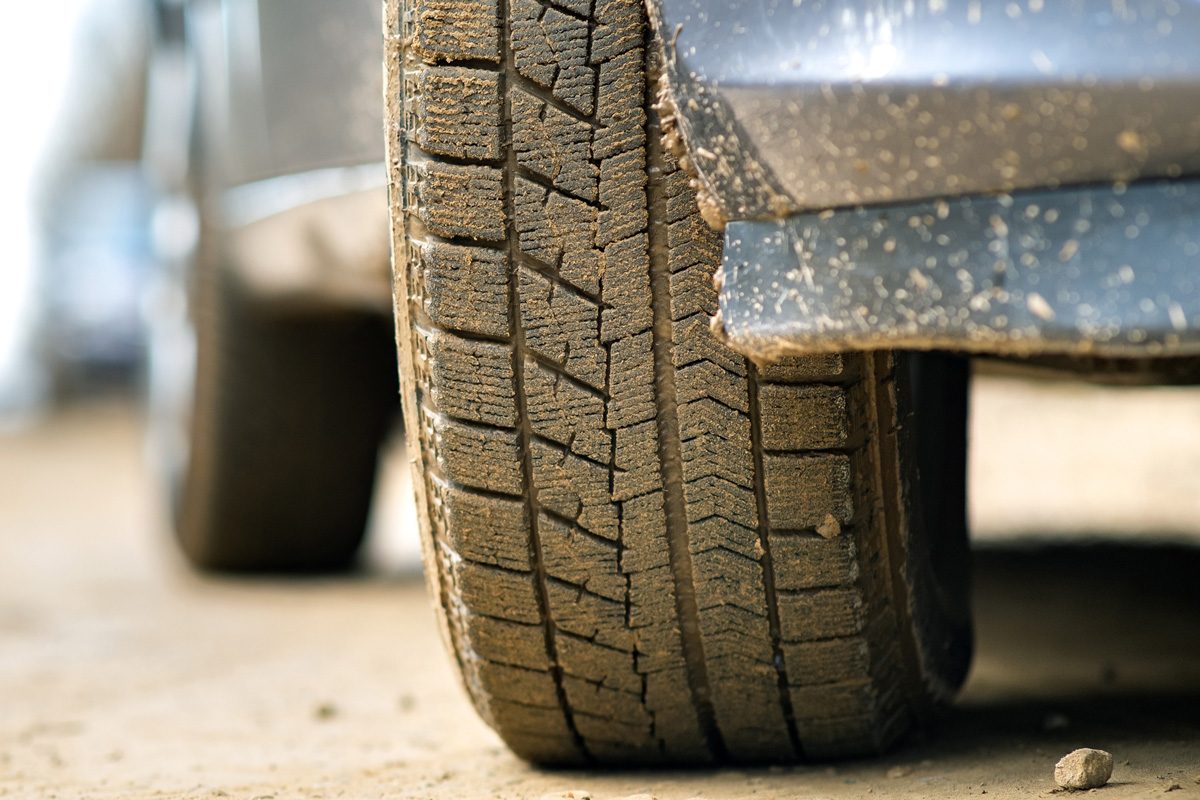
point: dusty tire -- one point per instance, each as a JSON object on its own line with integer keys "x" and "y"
{"x": 288, "y": 415}
{"x": 647, "y": 549}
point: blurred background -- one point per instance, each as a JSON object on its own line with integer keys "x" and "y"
{"x": 133, "y": 159}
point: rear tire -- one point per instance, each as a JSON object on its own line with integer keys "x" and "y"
{"x": 647, "y": 549}
{"x": 290, "y": 409}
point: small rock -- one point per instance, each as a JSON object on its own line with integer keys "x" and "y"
{"x": 570, "y": 794}
{"x": 899, "y": 772}
{"x": 1084, "y": 768}
{"x": 1174, "y": 787}
{"x": 325, "y": 711}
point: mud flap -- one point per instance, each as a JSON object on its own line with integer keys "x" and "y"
{"x": 1103, "y": 270}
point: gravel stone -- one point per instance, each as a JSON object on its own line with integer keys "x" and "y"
{"x": 1084, "y": 768}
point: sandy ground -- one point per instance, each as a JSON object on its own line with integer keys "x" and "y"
{"x": 123, "y": 675}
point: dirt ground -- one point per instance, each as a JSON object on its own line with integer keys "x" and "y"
{"x": 123, "y": 675}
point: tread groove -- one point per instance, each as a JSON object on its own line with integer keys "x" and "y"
{"x": 670, "y": 447}
{"x": 507, "y": 81}
{"x": 768, "y": 565}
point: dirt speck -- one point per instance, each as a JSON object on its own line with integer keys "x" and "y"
{"x": 1132, "y": 142}
{"x": 829, "y": 528}
{"x": 1039, "y": 307}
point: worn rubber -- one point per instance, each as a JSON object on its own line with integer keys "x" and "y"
{"x": 646, "y": 548}
{"x": 289, "y": 412}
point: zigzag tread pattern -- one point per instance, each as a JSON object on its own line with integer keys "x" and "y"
{"x": 569, "y": 394}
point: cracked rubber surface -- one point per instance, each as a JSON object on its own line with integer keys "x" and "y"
{"x": 647, "y": 549}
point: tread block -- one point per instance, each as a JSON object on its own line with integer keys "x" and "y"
{"x": 719, "y": 532}
{"x": 706, "y": 379}
{"x": 760, "y": 735}
{"x": 834, "y": 700}
{"x": 693, "y": 242}
{"x": 637, "y": 466}
{"x": 621, "y": 116}
{"x": 614, "y": 732}
{"x": 643, "y": 535}
{"x": 558, "y": 231}
{"x": 564, "y": 412}
{"x": 555, "y": 145}
{"x": 712, "y": 496}
{"x": 813, "y": 562}
{"x": 733, "y": 584}
{"x": 603, "y": 702}
{"x": 716, "y": 442}
{"x": 631, "y": 382}
{"x": 580, "y": 7}
{"x": 460, "y": 200}
{"x": 597, "y": 664}
{"x": 570, "y": 555}
{"x": 520, "y": 718}
{"x": 589, "y": 616}
{"x": 675, "y": 720}
{"x": 486, "y": 529}
{"x": 562, "y": 327}
{"x": 471, "y": 380}
{"x": 484, "y": 458}
{"x": 693, "y": 292}
{"x": 497, "y": 592}
{"x": 826, "y": 661}
{"x": 803, "y": 417}
{"x": 651, "y": 611}
{"x": 575, "y": 489}
{"x": 694, "y": 342}
{"x": 449, "y": 30}
{"x": 626, "y": 269}
{"x": 681, "y": 199}
{"x": 803, "y": 491}
{"x": 622, "y": 196}
{"x": 550, "y": 48}
{"x": 460, "y": 112}
{"x": 831, "y": 737}
{"x": 820, "y": 614}
{"x": 618, "y": 29}
{"x": 464, "y": 288}
{"x": 798, "y": 369}
{"x": 501, "y": 641}
{"x": 526, "y": 686}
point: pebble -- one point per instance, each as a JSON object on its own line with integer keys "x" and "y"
{"x": 1084, "y": 768}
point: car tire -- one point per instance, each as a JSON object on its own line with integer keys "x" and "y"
{"x": 647, "y": 549}
{"x": 289, "y": 410}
